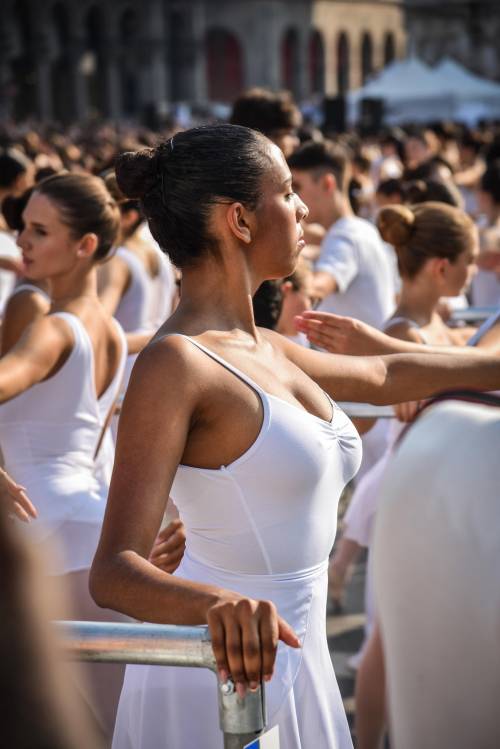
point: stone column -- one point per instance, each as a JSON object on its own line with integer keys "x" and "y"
{"x": 153, "y": 80}
{"x": 303, "y": 82}
{"x": 77, "y": 94}
{"x": 112, "y": 83}
{"x": 42, "y": 65}
{"x": 263, "y": 48}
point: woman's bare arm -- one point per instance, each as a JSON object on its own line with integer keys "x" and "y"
{"x": 40, "y": 353}
{"x": 346, "y": 335}
{"x": 113, "y": 280}
{"x": 395, "y": 378}
{"x": 161, "y": 407}
{"x": 22, "y": 309}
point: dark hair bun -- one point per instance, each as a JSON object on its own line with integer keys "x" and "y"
{"x": 137, "y": 172}
{"x": 395, "y": 224}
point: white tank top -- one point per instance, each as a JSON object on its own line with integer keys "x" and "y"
{"x": 163, "y": 291}
{"x": 133, "y": 310}
{"x": 49, "y": 436}
{"x": 274, "y": 509}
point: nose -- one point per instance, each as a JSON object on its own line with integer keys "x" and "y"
{"x": 302, "y": 209}
{"x": 21, "y": 239}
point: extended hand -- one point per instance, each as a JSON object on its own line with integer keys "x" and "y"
{"x": 341, "y": 335}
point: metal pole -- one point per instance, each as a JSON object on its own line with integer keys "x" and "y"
{"x": 241, "y": 719}
{"x": 473, "y": 314}
{"x": 367, "y": 411}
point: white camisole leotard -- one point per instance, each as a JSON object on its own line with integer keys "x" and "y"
{"x": 264, "y": 526}
{"x": 49, "y": 436}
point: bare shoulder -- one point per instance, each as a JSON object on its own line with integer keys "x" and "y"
{"x": 49, "y": 330}
{"x": 172, "y": 363}
{"x": 27, "y": 303}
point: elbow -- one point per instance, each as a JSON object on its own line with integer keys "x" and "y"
{"x": 99, "y": 584}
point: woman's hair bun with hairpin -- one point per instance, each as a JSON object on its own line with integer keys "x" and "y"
{"x": 137, "y": 172}
{"x": 395, "y": 224}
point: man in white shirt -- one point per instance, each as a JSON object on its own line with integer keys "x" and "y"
{"x": 353, "y": 274}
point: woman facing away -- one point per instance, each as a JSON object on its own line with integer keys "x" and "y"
{"x": 436, "y": 247}
{"x": 238, "y": 426}
{"x": 57, "y": 384}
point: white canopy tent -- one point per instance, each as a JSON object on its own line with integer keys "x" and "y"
{"x": 414, "y": 92}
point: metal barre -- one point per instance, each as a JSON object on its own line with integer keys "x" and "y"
{"x": 241, "y": 720}
{"x": 473, "y": 314}
{"x": 367, "y": 411}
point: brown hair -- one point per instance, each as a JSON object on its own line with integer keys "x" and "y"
{"x": 86, "y": 207}
{"x": 425, "y": 231}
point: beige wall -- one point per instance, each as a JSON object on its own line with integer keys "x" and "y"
{"x": 354, "y": 18}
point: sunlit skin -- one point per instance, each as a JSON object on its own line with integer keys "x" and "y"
{"x": 183, "y": 407}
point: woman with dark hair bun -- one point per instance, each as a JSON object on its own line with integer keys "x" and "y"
{"x": 237, "y": 424}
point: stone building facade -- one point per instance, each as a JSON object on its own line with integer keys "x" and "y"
{"x": 467, "y": 30}
{"x": 65, "y": 60}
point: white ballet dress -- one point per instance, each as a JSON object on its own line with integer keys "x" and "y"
{"x": 263, "y": 526}
{"x": 49, "y": 435}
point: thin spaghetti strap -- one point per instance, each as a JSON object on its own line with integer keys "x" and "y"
{"x": 241, "y": 375}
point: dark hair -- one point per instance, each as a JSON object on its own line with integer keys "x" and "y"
{"x": 178, "y": 181}
{"x": 13, "y": 163}
{"x": 390, "y": 187}
{"x": 12, "y": 209}
{"x": 267, "y": 303}
{"x": 322, "y": 157}
{"x": 266, "y": 111}
{"x": 424, "y": 231}
{"x": 423, "y": 191}
{"x": 86, "y": 207}
{"x": 490, "y": 181}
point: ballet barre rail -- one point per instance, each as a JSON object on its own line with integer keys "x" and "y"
{"x": 367, "y": 411}
{"x": 242, "y": 720}
{"x": 473, "y": 314}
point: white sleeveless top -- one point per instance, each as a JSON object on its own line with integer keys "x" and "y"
{"x": 287, "y": 479}
{"x": 263, "y": 526}
{"x": 133, "y": 309}
{"x": 49, "y": 436}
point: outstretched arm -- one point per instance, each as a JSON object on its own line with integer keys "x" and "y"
{"x": 40, "y": 353}
{"x": 346, "y": 335}
{"x": 395, "y": 378}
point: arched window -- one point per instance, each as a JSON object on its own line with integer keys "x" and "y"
{"x": 366, "y": 57}
{"x": 224, "y": 65}
{"x": 343, "y": 64}
{"x": 316, "y": 63}
{"x": 389, "y": 48}
{"x": 290, "y": 60}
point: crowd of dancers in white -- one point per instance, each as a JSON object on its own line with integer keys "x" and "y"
{"x": 218, "y": 504}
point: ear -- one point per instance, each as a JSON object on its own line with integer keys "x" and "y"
{"x": 239, "y": 222}
{"x": 329, "y": 183}
{"x": 88, "y": 245}
{"x": 286, "y": 288}
{"x": 439, "y": 267}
